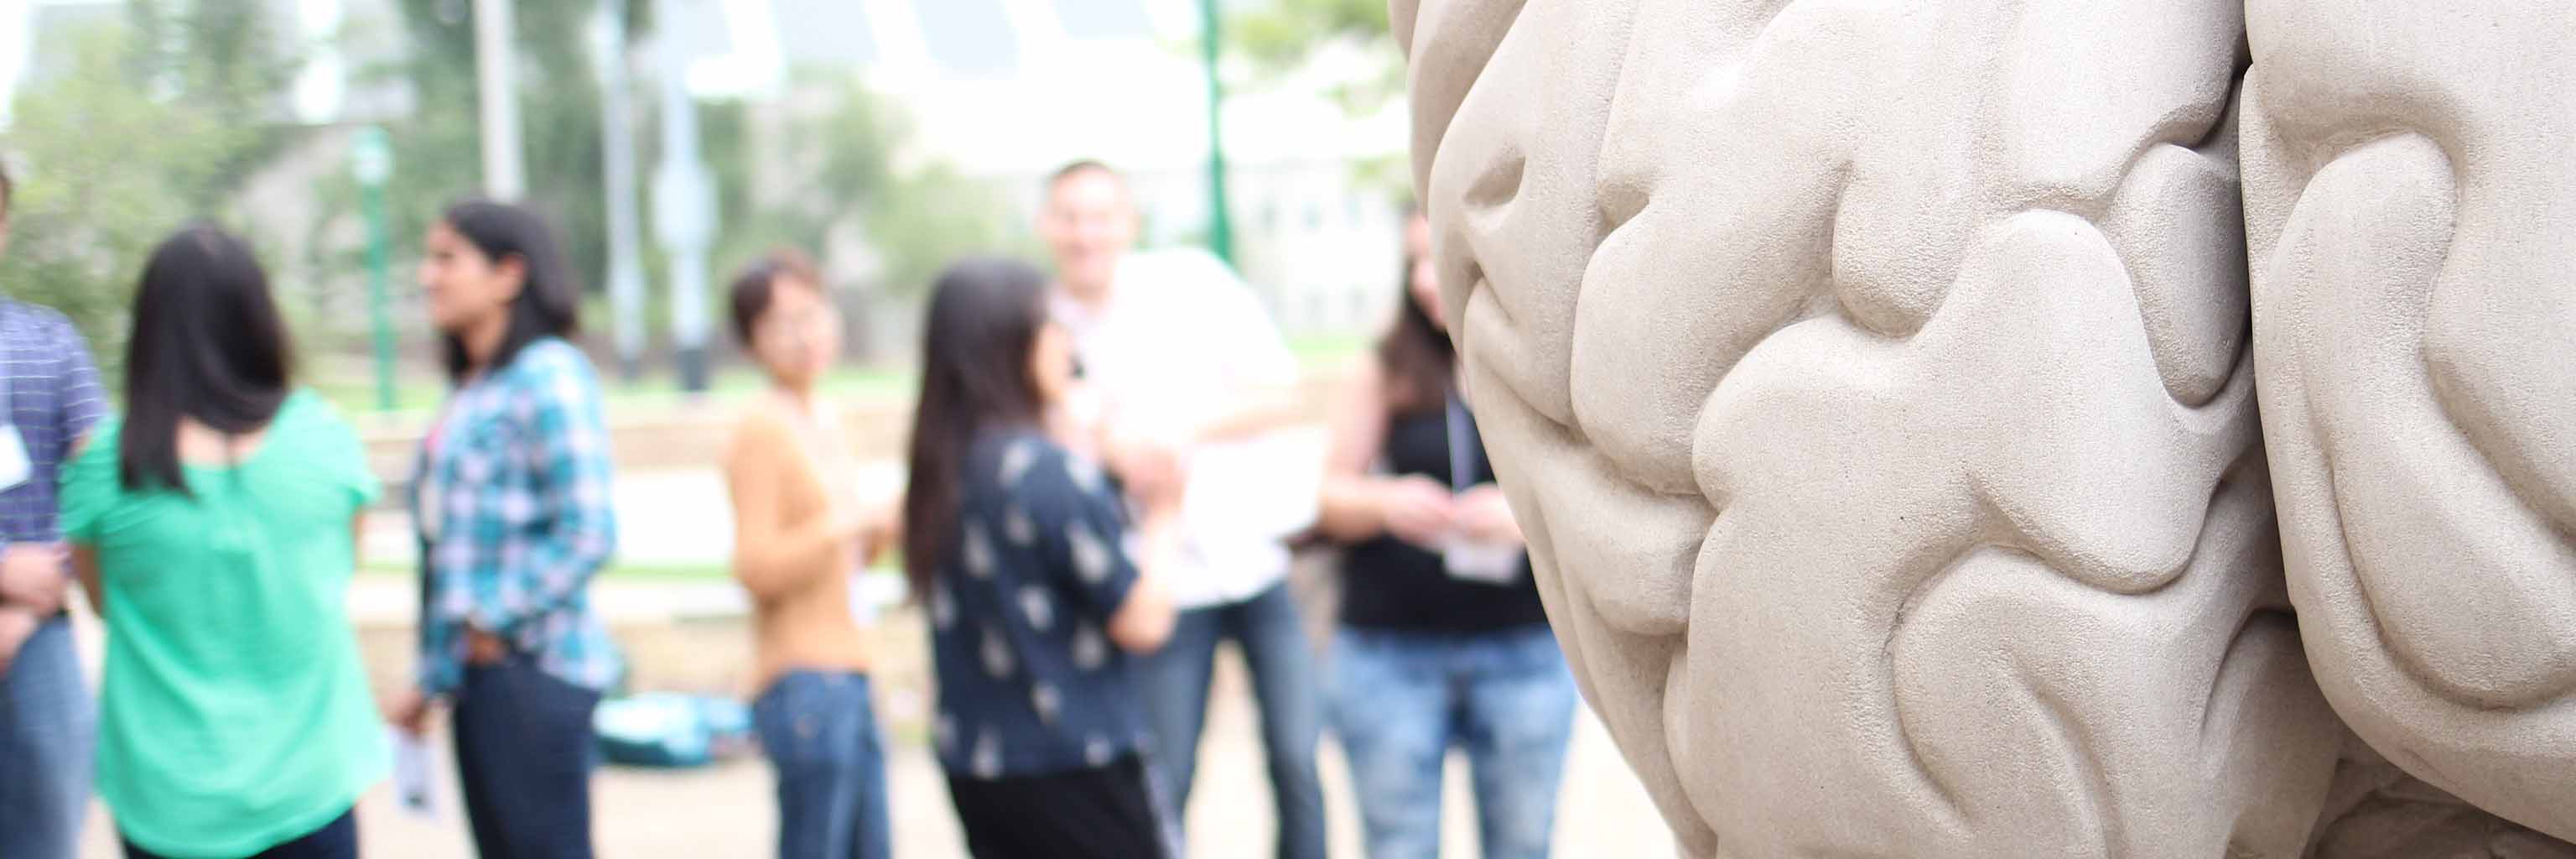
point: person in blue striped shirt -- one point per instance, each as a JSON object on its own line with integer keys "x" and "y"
{"x": 512, "y": 503}
{"x": 49, "y": 401}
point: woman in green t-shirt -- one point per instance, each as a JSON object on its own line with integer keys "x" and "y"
{"x": 215, "y": 528}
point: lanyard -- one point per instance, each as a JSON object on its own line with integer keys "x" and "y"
{"x": 1461, "y": 450}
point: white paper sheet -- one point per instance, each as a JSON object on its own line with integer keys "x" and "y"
{"x": 415, "y": 784}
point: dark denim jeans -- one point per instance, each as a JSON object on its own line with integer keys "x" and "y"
{"x": 1401, "y": 700}
{"x": 335, "y": 840}
{"x": 47, "y": 734}
{"x": 525, "y": 750}
{"x": 820, "y": 732}
{"x": 1283, "y": 678}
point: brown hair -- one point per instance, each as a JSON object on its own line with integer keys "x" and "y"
{"x": 757, "y": 283}
{"x": 1419, "y": 361}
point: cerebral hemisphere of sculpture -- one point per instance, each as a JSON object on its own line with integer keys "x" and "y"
{"x": 1872, "y": 382}
{"x": 2409, "y": 201}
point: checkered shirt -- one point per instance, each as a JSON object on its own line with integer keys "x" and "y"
{"x": 512, "y": 498}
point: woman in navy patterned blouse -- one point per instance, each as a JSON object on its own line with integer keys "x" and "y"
{"x": 1020, "y": 548}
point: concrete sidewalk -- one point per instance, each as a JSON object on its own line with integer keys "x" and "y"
{"x": 691, "y": 636}
{"x": 727, "y": 810}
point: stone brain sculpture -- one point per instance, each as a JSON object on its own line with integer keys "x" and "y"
{"x": 1873, "y": 382}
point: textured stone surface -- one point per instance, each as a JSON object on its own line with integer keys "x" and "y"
{"x": 2410, "y": 197}
{"x": 1872, "y": 381}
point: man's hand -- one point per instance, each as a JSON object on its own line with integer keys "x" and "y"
{"x": 1486, "y": 515}
{"x": 16, "y": 626}
{"x": 1417, "y": 510}
{"x": 33, "y": 576}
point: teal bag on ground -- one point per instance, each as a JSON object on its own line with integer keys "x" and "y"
{"x": 671, "y": 731}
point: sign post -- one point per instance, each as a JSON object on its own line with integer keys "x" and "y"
{"x": 1220, "y": 222}
{"x": 372, "y": 161}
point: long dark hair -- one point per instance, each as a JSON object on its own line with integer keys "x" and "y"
{"x": 985, "y": 315}
{"x": 549, "y": 302}
{"x": 1419, "y": 362}
{"x": 207, "y": 345}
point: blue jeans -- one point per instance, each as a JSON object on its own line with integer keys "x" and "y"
{"x": 48, "y": 731}
{"x": 1283, "y": 678}
{"x": 525, "y": 749}
{"x": 820, "y": 732}
{"x": 1402, "y": 699}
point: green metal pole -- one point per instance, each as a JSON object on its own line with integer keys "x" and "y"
{"x": 1220, "y": 222}
{"x": 374, "y": 165}
{"x": 378, "y": 280}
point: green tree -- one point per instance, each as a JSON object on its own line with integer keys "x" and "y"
{"x": 834, "y": 155}
{"x": 438, "y": 147}
{"x": 1285, "y": 35}
{"x": 147, "y": 126}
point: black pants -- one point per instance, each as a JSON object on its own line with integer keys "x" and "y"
{"x": 524, "y": 753}
{"x": 335, "y": 840}
{"x": 1107, "y": 813}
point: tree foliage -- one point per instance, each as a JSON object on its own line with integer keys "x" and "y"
{"x": 438, "y": 147}
{"x": 1285, "y": 35}
{"x": 832, "y": 165}
{"x": 169, "y": 113}
{"x": 143, "y": 128}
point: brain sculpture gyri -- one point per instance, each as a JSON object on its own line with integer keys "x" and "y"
{"x": 1876, "y": 385}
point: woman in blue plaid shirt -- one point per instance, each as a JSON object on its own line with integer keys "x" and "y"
{"x": 512, "y": 500}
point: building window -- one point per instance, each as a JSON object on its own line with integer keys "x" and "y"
{"x": 1104, "y": 19}
{"x": 970, "y": 38}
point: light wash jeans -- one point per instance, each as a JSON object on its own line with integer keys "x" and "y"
{"x": 1402, "y": 700}
{"x": 820, "y": 732}
{"x": 48, "y": 732}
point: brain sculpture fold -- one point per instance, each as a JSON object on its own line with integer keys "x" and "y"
{"x": 2410, "y": 184}
{"x": 1874, "y": 382}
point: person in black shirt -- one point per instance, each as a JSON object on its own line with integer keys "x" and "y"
{"x": 1442, "y": 640}
{"x": 1019, "y": 548}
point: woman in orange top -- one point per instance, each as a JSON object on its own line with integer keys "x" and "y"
{"x": 800, "y": 535}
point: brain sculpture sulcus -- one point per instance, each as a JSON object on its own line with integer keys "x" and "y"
{"x": 1874, "y": 383}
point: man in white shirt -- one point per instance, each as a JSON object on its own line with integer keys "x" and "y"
{"x": 1184, "y": 379}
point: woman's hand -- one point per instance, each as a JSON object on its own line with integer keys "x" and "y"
{"x": 1417, "y": 510}
{"x": 1153, "y": 471}
{"x": 483, "y": 648}
{"x": 872, "y": 526}
{"x": 409, "y": 711}
{"x": 1486, "y": 515}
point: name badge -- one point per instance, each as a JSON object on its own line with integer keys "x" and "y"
{"x": 1482, "y": 563}
{"x": 15, "y": 468}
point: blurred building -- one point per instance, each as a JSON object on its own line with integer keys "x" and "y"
{"x": 1009, "y": 90}
{"x": 1006, "y": 90}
